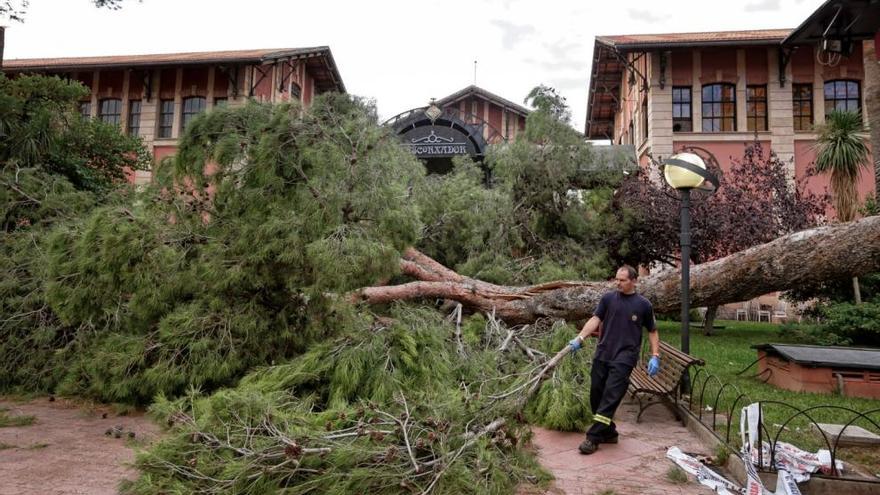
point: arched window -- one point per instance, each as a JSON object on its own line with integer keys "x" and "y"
{"x": 110, "y": 110}
{"x": 719, "y": 107}
{"x": 843, "y": 94}
{"x": 192, "y": 106}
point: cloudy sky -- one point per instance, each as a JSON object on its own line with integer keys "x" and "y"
{"x": 402, "y": 53}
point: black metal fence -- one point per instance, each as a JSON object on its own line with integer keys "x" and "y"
{"x": 709, "y": 390}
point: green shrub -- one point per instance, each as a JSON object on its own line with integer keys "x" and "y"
{"x": 853, "y": 324}
{"x": 841, "y": 324}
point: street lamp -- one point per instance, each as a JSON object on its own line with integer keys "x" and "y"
{"x": 685, "y": 172}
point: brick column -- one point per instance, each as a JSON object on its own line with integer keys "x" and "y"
{"x": 126, "y": 84}
{"x": 209, "y": 93}
{"x": 149, "y": 110}
{"x": 780, "y": 113}
{"x": 697, "y": 92}
{"x": 178, "y": 105}
{"x": 818, "y": 92}
{"x": 742, "y": 123}
{"x": 660, "y": 109}
{"x": 96, "y": 84}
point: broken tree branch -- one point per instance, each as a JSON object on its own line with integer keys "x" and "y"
{"x": 823, "y": 253}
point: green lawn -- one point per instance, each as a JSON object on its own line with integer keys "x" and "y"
{"x": 729, "y": 351}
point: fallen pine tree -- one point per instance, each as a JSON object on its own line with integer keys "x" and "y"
{"x": 399, "y": 406}
{"x": 217, "y": 297}
{"x": 807, "y": 257}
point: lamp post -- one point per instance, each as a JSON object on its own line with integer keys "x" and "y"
{"x": 685, "y": 172}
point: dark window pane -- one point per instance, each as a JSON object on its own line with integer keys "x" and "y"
{"x": 843, "y": 95}
{"x": 727, "y": 92}
{"x": 191, "y": 107}
{"x": 852, "y": 88}
{"x": 166, "y": 118}
{"x": 85, "y": 109}
{"x": 110, "y": 110}
{"x": 134, "y": 117}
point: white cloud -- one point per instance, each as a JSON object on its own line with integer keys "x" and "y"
{"x": 762, "y": 5}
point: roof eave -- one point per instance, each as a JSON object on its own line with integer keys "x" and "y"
{"x": 628, "y": 47}
{"x": 592, "y": 90}
{"x": 125, "y": 65}
{"x": 798, "y": 35}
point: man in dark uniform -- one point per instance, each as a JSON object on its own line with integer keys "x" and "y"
{"x": 622, "y": 314}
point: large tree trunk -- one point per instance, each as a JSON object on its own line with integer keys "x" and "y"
{"x": 872, "y": 104}
{"x": 823, "y": 253}
{"x": 709, "y": 320}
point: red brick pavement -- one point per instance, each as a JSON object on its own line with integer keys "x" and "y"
{"x": 78, "y": 459}
{"x": 636, "y": 465}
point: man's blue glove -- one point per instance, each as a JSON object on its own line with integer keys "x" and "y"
{"x": 653, "y": 365}
{"x": 575, "y": 344}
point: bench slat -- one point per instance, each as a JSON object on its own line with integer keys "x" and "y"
{"x": 666, "y": 381}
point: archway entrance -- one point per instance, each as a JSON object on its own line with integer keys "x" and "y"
{"x": 435, "y": 136}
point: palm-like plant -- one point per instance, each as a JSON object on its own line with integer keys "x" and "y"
{"x": 842, "y": 152}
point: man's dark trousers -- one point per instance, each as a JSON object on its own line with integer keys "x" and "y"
{"x": 609, "y": 382}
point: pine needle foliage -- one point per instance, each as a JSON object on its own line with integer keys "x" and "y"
{"x": 344, "y": 416}
{"x": 545, "y": 214}
{"x": 54, "y": 168}
{"x": 231, "y": 260}
{"x": 563, "y": 401}
{"x": 562, "y": 197}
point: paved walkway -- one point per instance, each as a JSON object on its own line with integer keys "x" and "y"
{"x": 636, "y": 465}
{"x": 66, "y": 451}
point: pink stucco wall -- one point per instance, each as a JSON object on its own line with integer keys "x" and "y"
{"x": 724, "y": 151}
{"x": 682, "y": 68}
{"x": 757, "y": 70}
{"x": 805, "y": 157}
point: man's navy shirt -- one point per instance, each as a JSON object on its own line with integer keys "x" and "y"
{"x": 623, "y": 316}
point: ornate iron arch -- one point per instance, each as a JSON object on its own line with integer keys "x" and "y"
{"x": 432, "y": 125}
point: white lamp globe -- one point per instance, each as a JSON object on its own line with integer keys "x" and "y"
{"x": 680, "y": 178}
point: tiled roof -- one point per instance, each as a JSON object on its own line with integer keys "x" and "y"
{"x": 708, "y": 38}
{"x": 256, "y": 55}
{"x": 318, "y": 58}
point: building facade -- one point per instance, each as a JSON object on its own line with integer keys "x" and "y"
{"x": 503, "y": 118}
{"x": 721, "y": 91}
{"x": 155, "y": 96}
{"x": 464, "y": 123}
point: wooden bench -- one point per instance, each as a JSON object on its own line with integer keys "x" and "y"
{"x": 662, "y": 388}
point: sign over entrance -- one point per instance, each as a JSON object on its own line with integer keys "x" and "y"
{"x": 431, "y": 132}
{"x": 432, "y": 141}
